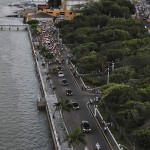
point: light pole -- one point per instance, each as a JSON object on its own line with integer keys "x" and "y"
{"x": 113, "y": 66}
{"x": 108, "y": 76}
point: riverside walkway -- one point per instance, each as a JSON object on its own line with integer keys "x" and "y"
{"x": 57, "y": 125}
{"x": 58, "y": 128}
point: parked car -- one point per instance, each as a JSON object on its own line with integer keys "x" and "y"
{"x": 69, "y": 92}
{"x": 75, "y": 105}
{"x": 86, "y": 127}
{"x": 60, "y": 74}
{"x": 64, "y": 82}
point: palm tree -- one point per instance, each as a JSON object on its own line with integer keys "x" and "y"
{"x": 63, "y": 105}
{"x": 76, "y": 137}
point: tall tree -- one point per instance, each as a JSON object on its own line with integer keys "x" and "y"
{"x": 54, "y": 3}
{"x": 76, "y": 137}
{"x": 142, "y": 137}
{"x": 63, "y": 105}
{"x": 116, "y": 95}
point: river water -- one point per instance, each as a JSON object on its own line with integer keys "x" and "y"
{"x": 22, "y": 126}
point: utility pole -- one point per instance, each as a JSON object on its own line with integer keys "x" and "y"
{"x": 113, "y": 66}
{"x": 108, "y": 76}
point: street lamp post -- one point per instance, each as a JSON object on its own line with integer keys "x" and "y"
{"x": 113, "y": 66}
{"x": 108, "y": 76}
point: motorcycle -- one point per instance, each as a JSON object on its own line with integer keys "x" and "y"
{"x": 97, "y": 146}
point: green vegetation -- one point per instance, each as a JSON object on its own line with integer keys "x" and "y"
{"x": 31, "y": 22}
{"x": 76, "y": 137}
{"x": 54, "y": 3}
{"x": 63, "y": 105}
{"x": 45, "y": 53}
{"x": 34, "y": 26}
{"x": 103, "y": 33}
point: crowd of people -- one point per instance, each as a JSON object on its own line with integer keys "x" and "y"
{"x": 49, "y": 38}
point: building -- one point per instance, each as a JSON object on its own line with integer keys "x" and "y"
{"x": 38, "y": 16}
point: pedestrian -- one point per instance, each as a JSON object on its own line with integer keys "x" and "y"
{"x": 105, "y": 129}
{"x": 59, "y": 139}
{"x": 96, "y": 99}
{"x": 97, "y": 146}
{"x": 91, "y": 101}
{"x": 53, "y": 116}
{"x": 82, "y": 88}
{"x": 103, "y": 122}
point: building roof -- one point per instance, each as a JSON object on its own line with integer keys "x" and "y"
{"x": 43, "y": 6}
{"x": 41, "y": 15}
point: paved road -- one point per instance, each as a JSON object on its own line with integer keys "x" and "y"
{"x": 73, "y": 119}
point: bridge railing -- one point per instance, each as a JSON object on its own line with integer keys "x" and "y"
{"x": 13, "y": 27}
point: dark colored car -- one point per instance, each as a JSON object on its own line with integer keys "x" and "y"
{"x": 75, "y": 105}
{"x": 64, "y": 82}
{"x": 86, "y": 127}
{"x": 59, "y": 68}
{"x": 69, "y": 92}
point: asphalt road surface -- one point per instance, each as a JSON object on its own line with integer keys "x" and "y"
{"x": 73, "y": 119}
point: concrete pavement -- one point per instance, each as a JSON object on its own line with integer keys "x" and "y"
{"x": 61, "y": 130}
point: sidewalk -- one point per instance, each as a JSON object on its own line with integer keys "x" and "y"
{"x": 61, "y": 130}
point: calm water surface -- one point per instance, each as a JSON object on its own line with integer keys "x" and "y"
{"x": 22, "y": 126}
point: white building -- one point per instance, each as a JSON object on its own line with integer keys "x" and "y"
{"x": 68, "y": 4}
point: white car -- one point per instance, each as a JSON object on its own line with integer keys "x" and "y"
{"x": 60, "y": 74}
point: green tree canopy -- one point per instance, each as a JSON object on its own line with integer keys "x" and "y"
{"x": 122, "y": 74}
{"x": 76, "y": 137}
{"x": 85, "y": 66}
{"x": 114, "y": 35}
{"x": 54, "y": 3}
{"x": 129, "y": 119}
{"x": 142, "y": 137}
{"x": 116, "y": 95}
{"x": 63, "y": 105}
{"x": 141, "y": 63}
{"x": 145, "y": 93}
